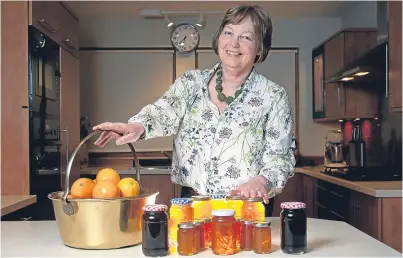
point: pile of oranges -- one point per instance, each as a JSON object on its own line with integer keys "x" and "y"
{"x": 107, "y": 184}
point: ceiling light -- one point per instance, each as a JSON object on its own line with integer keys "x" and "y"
{"x": 361, "y": 73}
{"x": 169, "y": 22}
{"x": 200, "y": 23}
{"x": 345, "y": 79}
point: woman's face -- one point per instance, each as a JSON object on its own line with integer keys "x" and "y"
{"x": 238, "y": 45}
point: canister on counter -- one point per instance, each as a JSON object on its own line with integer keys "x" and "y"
{"x": 262, "y": 237}
{"x": 293, "y": 227}
{"x": 235, "y": 202}
{"x": 253, "y": 209}
{"x": 155, "y": 230}
{"x": 186, "y": 239}
{"x": 201, "y": 207}
{"x": 246, "y": 235}
{"x": 223, "y": 232}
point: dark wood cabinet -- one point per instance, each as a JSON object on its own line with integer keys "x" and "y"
{"x": 334, "y": 101}
{"x": 395, "y": 56}
{"x": 292, "y": 192}
{"x": 309, "y": 195}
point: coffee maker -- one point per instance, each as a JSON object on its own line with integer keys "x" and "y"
{"x": 334, "y": 153}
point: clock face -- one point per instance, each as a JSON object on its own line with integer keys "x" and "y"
{"x": 185, "y": 38}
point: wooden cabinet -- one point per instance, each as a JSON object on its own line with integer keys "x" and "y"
{"x": 395, "y": 55}
{"x": 14, "y": 99}
{"x": 292, "y": 192}
{"x": 309, "y": 195}
{"x": 334, "y": 101}
{"x": 391, "y": 222}
{"x": 69, "y": 113}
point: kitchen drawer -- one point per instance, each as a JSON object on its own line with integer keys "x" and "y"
{"x": 335, "y": 199}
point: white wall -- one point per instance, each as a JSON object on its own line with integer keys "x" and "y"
{"x": 302, "y": 33}
{"x": 363, "y": 14}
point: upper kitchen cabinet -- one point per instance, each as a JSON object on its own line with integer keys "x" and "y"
{"x": 334, "y": 100}
{"x": 395, "y": 55}
{"x": 55, "y": 21}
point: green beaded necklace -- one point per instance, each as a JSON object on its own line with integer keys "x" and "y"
{"x": 221, "y": 96}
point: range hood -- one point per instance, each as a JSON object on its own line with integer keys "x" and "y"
{"x": 372, "y": 66}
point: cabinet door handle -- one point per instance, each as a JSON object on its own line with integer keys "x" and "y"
{"x": 24, "y": 106}
{"x": 322, "y": 88}
{"x": 67, "y": 153}
{"x": 47, "y": 26}
{"x": 338, "y": 95}
{"x": 387, "y": 72}
{"x": 69, "y": 44}
{"x": 336, "y": 194}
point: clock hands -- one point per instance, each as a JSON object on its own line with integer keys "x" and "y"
{"x": 182, "y": 41}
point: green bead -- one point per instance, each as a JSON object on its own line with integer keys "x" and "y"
{"x": 218, "y": 80}
{"x": 221, "y": 97}
{"x": 237, "y": 93}
{"x": 230, "y": 99}
{"x": 219, "y": 73}
{"x": 218, "y": 87}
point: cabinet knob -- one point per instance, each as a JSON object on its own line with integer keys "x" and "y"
{"x": 24, "y": 106}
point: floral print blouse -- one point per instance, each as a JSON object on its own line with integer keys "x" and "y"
{"x": 215, "y": 153}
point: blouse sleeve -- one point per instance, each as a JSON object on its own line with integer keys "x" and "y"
{"x": 278, "y": 157}
{"x": 163, "y": 117}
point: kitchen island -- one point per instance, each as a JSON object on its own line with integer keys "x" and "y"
{"x": 325, "y": 238}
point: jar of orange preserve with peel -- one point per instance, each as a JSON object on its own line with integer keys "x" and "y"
{"x": 223, "y": 233}
{"x": 201, "y": 207}
{"x": 253, "y": 209}
{"x": 218, "y": 201}
{"x": 181, "y": 211}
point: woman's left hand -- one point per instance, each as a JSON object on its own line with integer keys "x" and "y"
{"x": 255, "y": 187}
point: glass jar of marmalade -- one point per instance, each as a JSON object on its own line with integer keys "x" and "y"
{"x": 181, "y": 211}
{"x": 223, "y": 232}
{"x": 201, "y": 207}
{"x": 155, "y": 230}
{"x": 235, "y": 202}
{"x": 186, "y": 239}
{"x": 246, "y": 235}
{"x": 293, "y": 227}
{"x": 199, "y": 232}
{"x": 253, "y": 209}
{"x": 262, "y": 237}
{"x": 218, "y": 202}
{"x": 207, "y": 232}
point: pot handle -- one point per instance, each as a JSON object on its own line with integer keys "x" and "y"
{"x": 67, "y": 207}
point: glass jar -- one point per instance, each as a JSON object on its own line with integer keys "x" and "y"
{"x": 181, "y": 211}
{"x": 186, "y": 239}
{"x": 155, "y": 230}
{"x": 201, "y": 207}
{"x": 207, "y": 232}
{"x": 246, "y": 235}
{"x": 293, "y": 227}
{"x": 199, "y": 232}
{"x": 238, "y": 234}
{"x": 235, "y": 202}
{"x": 218, "y": 202}
{"x": 223, "y": 232}
{"x": 253, "y": 209}
{"x": 262, "y": 237}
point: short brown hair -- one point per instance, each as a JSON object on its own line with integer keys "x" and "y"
{"x": 261, "y": 23}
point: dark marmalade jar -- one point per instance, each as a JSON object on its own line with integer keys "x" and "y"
{"x": 155, "y": 230}
{"x": 293, "y": 228}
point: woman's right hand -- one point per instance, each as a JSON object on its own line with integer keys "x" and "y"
{"x": 122, "y": 132}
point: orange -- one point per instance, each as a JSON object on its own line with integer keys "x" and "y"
{"x": 106, "y": 189}
{"x": 129, "y": 187}
{"x": 82, "y": 188}
{"x": 108, "y": 174}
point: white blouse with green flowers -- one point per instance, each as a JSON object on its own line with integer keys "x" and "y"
{"x": 215, "y": 153}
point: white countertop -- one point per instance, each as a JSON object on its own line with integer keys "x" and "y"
{"x": 325, "y": 238}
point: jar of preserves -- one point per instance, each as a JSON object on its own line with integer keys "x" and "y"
{"x": 238, "y": 234}
{"x": 186, "y": 239}
{"x": 207, "y": 232}
{"x": 223, "y": 232}
{"x": 218, "y": 202}
{"x": 262, "y": 237}
{"x": 246, "y": 235}
{"x": 201, "y": 207}
{"x": 199, "y": 232}
{"x": 253, "y": 209}
{"x": 293, "y": 227}
{"x": 155, "y": 230}
{"x": 235, "y": 202}
{"x": 181, "y": 211}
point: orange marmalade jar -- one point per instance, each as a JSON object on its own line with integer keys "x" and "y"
{"x": 223, "y": 232}
{"x": 235, "y": 202}
{"x": 218, "y": 202}
{"x": 186, "y": 239}
{"x": 181, "y": 211}
{"x": 253, "y": 209}
{"x": 262, "y": 237}
{"x": 201, "y": 207}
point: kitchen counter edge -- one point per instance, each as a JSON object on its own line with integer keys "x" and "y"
{"x": 11, "y": 203}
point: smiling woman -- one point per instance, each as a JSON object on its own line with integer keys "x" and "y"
{"x": 232, "y": 126}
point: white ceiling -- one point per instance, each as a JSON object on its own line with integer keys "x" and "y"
{"x": 277, "y": 9}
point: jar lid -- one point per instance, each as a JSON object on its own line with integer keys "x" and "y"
{"x": 262, "y": 224}
{"x": 155, "y": 207}
{"x": 201, "y": 198}
{"x": 246, "y": 222}
{"x": 218, "y": 196}
{"x": 186, "y": 225}
{"x": 207, "y": 220}
{"x": 234, "y": 197}
{"x": 223, "y": 213}
{"x": 181, "y": 201}
{"x": 198, "y": 222}
{"x": 255, "y": 199}
{"x": 292, "y": 205}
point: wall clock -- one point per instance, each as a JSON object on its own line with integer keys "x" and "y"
{"x": 185, "y": 38}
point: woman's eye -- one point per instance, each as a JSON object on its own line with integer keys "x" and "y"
{"x": 227, "y": 33}
{"x": 246, "y": 38}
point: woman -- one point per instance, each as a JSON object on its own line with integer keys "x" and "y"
{"x": 232, "y": 126}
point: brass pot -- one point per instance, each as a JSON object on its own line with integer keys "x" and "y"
{"x": 95, "y": 223}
